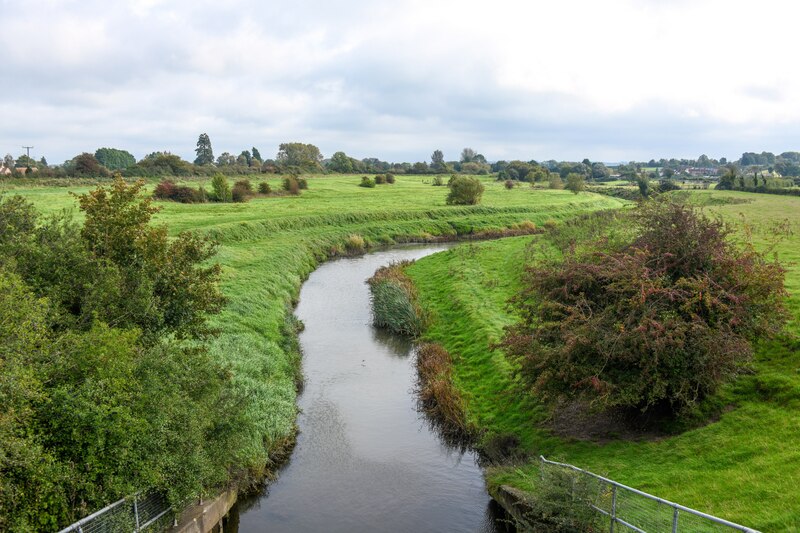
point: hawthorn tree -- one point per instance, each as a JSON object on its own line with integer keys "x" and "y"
{"x": 661, "y": 318}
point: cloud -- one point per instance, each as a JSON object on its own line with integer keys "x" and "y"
{"x": 623, "y": 79}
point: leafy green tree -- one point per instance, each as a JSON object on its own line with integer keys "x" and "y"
{"x": 24, "y": 161}
{"x": 465, "y": 190}
{"x": 226, "y": 159}
{"x": 575, "y": 183}
{"x": 8, "y": 161}
{"x": 340, "y": 162}
{"x": 221, "y": 189}
{"x": 300, "y": 156}
{"x": 165, "y": 288}
{"x": 114, "y": 159}
{"x": 644, "y": 185}
{"x": 468, "y": 155}
{"x": 257, "y": 155}
{"x": 205, "y": 155}
{"x": 43, "y": 162}
{"x": 437, "y": 161}
{"x": 163, "y": 164}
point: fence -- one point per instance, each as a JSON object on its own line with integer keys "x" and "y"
{"x": 134, "y": 514}
{"x": 625, "y": 509}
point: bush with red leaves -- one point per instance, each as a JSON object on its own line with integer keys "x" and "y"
{"x": 661, "y": 319}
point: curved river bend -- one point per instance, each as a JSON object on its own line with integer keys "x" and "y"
{"x": 365, "y": 459}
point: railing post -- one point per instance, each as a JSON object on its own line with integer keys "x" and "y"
{"x": 541, "y": 468}
{"x": 613, "y": 506}
{"x": 136, "y": 511}
{"x": 675, "y": 521}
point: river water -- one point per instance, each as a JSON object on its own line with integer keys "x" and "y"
{"x": 365, "y": 459}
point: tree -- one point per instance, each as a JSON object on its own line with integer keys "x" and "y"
{"x": 340, "y": 162}
{"x": 8, "y": 161}
{"x": 43, "y": 162}
{"x": 727, "y": 181}
{"x": 575, "y": 183}
{"x": 114, "y": 159}
{"x": 644, "y": 185}
{"x": 24, "y": 161}
{"x": 205, "y": 155}
{"x": 86, "y": 164}
{"x": 465, "y": 190}
{"x": 221, "y": 189}
{"x": 226, "y": 159}
{"x": 658, "y": 319}
{"x": 468, "y": 155}
{"x": 300, "y": 156}
{"x": 257, "y": 155}
{"x": 437, "y": 161}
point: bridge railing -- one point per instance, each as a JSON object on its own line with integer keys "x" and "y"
{"x": 140, "y": 512}
{"x": 626, "y": 509}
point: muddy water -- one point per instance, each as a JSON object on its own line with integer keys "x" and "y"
{"x": 365, "y": 460}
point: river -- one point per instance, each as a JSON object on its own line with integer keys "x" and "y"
{"x": 365, "y": 459}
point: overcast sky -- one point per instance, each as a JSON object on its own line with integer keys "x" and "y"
{"x": 608, "y": 80}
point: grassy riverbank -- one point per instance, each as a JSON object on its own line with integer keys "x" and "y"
{"x": 269, "y": 246}
{"x": 744, "y": 467}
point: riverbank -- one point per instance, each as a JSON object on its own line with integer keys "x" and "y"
{"x": 743, "y": 466}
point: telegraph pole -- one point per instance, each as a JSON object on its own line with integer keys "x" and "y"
{"x": 28, "y": 148}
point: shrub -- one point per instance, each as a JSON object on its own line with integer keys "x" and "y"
{"x": 465, "y": 191}
{"x": 561, "y": 502}
{"x": 394, "y": 301}
{"x": 437, "y": 396}
{"x": 380, "y": 179}
{"x": 242, "y": 191}
{"x": 164, "y": 190}
{"x": 366, "y": 181}
{"x": 555, "y": 182}
{"x": 658, "y": 316}
{"x": 168, "y": 190}
{"x": 575, "y": 183}
{"x": 291, "y": 185}
{"x": 302, "y": 183}
{"x": 509, "y": 184}
{"x": 264, "y": 188}
{"x": 668, "y": 185}
{"x": 355, "y": 244}
{"x": 220, "y": 189}
{"x": 437, "y": 181}
{"x": 390, "y": 178}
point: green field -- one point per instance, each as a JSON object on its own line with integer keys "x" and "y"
{"x": 269, "y": 246}
{"x": 744, "y": 467}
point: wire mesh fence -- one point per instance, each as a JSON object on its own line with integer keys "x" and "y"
{"x": 624, "y": 509}
{"x": 142, "y": 512}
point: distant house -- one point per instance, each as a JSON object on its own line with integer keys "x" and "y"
{"x": 701, "y": 171}
{"x": 5, "y": 171}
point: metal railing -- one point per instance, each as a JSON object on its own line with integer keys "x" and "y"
{"x": 136, "y": 513}
{"x": 626, "y": 509}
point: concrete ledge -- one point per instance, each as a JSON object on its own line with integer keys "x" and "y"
{"x": 205, "y": 516}
{"x": 513, "y": 501}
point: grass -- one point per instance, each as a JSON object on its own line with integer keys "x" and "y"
{"x": 744, "y": 467}
{"x": 269, "y": 246}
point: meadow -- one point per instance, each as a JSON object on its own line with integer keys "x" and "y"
{"x": 742, "y": 465}
{"x": 268, "y": 246}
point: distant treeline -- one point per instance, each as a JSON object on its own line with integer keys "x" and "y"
{"x": 301, "y": 158}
